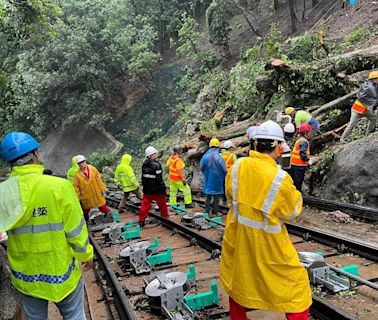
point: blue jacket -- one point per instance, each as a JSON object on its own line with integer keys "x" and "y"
{"x": 214, "y": 169}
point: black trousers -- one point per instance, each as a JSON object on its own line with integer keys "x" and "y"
{"x": 298, "y": 175}
{"x": 214, "y": 206}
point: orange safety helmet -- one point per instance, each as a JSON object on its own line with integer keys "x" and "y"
{"x": 304, "y": 127}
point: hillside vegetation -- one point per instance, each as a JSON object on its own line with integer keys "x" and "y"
{"x": 167, "y": 72}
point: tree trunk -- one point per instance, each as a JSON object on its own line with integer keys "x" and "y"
{"x": 293, "y": 18}
{"x": 275, "y": 5}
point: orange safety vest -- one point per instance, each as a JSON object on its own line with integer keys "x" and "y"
{"x": 359, "y": 107}
{"x": 228, "y": 158}
{"x": 296, "y": 157}
{"x": 173, "y": 163}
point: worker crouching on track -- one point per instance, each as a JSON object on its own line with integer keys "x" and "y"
{"x": 125, "y": 177}
{"x": 47, "y": 232}
{"x": 214, "y": 169}
{"x": 367, "y": 101}
{"x": 260, "y": 268}
{"x": 90, "y": 188}
{"x": 177, "y": 180}
{"x": 300, "y": 157}
{"x": 153, "y": 186}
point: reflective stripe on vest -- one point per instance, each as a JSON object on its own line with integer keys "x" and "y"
{"x": 228, "y": 158}
{"x": 173, "y": 172}
{"x": 37, "y": 228}
{"x": 296, "y": 159}
{"x": 45, "y": 277}
{"x": 146, "y": 175}
{"x": 75, "y": 232}
{"x": 359, "y": 107}
{"x": 267, "y": 206}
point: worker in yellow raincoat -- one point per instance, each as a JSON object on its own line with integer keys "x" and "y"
{"x": 89, "y": 188}
{"x": 260, "y": 267}
{"x": 47, "y": 234}
{"x": 72, "y": 171}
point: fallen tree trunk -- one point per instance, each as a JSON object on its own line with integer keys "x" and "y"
{"x": 333, "y": 103}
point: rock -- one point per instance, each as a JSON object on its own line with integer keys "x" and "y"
{"x": 198, "y": 177}
{"x": 353, "y": 174}
{"x": 338, "y": 216}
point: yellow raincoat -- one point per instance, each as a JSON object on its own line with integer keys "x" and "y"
{"x": 260, "y": 267}
{"x": 72, "y": 171}
{"x": 47, "y": 234}
{"x": 90, "y": 191}
{"x": 124, "y": 174}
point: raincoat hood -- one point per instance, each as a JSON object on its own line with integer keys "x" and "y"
{"x": 11, "y": 204}
{"x": 74, "y": 164}
{"x": 126, "y": 159}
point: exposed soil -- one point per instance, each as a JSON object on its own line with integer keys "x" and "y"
{"x": 363, "y": 231}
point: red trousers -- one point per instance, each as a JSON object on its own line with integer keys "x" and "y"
{"x": 237, "y": 312}
{"x": 104, "y": 209}
{"x": 146, "y": 205}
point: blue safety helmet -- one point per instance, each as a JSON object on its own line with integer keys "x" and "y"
{"x": 16, "y": 144}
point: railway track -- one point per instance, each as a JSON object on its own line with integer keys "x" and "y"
{"x": 201, "y": 248}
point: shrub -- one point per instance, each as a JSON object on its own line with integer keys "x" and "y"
{"x": 101, "y": 158}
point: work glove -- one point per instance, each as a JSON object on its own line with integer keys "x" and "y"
{"x": 184, "y": 183}
{"x": 310, "y": 163}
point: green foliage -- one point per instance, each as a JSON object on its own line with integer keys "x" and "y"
{"x": 101, "y": 159}
{"x": 303, "y": 48}
{"x": 218, "y": 22}
{"x": 190, "y": 40}
{"x": 70, "y": 78}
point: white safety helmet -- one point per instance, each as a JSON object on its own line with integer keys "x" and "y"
{"x": 150, "y": 151}
{"x": 251, "y": 131}
{"x": 270, "y": 130}
{"x": 289, "y": 128}
{"x": 80, "y": 158}
{"x": 228, "y": 144}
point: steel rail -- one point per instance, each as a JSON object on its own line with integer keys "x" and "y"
{"x": 351, "y": 209}
{"x": 339, "y": 242}
{"x": 122, "y": 302}
{"x": 320, "y": 308}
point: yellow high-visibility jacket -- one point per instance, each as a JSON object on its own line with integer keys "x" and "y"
{"x": 124, "y": 174}
{"x": 47, "y": 234}
{"x": 260, "y": 267}
{"x": 72, "y": 171}
{"x": 90, "y": 191}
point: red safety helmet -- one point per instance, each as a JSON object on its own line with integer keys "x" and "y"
{"x": 304, "y": 127}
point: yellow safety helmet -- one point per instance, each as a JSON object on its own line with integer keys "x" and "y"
{"x": 373, "y": 75}
{"x": 214, "y": 143}
{"x": 289, "y": 111}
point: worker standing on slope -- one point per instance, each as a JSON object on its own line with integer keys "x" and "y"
{"x": 214, "y": 169}
{"x": 90, "y": 188}
{"x": 228, "y": 156}
{"x": 301, "y": 117}
{"x": 153, "y": 186}
{"x": 125, "y": 177}
{"x": 177, "y": 179}
{"x": 260, "y": 268}
{"x": 72, "y": 171}
{"x": 47, "y": 232}
{"x": 364, "y": 105}
{"x": 300, "y": 157}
